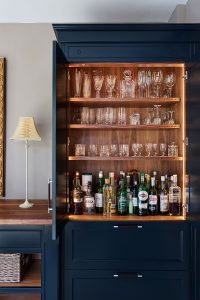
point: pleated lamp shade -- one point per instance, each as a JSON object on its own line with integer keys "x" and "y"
{"x": 26, "y": 130}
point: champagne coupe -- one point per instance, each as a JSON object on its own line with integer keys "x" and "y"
{"x": 78, "y": 82}
{"x": 110, "y": 84}
{"x": 157, "y": 79}
{"x": 169, "y": 82}
{"x": 98, "y": 82}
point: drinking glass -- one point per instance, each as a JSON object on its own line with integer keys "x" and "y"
{"x": 78, "y": 82}
{"x": 148, "y": 82}
{"x": 141, "y": 80}
{"x": 121, "y": 116}
{"x": 171, "y": 120}
{"x": 104, "y": 150}
{"x": 109, "y": 115}
{"x": 140, "y": 148}
{"x": 135, "y": 149}
{"x": 79, "y": 149}
{"x": 98, "y": 82}
{"x": 113, "y": 150}
{"x": 92, "y": 115}
{"x": 169, "y": 82}
{"x": 124, "y": 150}
{"x": 157, "y": 119}
{"x": 148, "y": 147}
{"x": 92, "y": 150}
{"x": 99, "y": 116}
{"x": 134, "y": 119}
{"x": 110, "y": 84}
{"x": 87, "y": 86}
{"x": 127, "y": 85}
{"x": 173, "y": 149}
{"x": 155, "y": 151}
{"x": 85, "y": 115}
{"x": 163, "y": 148}
{"x": 157, "y": 79}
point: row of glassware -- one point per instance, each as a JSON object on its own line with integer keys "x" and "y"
{"x": 113, "y": 116}
{"x": 122, "y": 150}
{"x": 146, "y": 83}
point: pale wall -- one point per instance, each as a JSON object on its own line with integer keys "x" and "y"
{"x": 28, "y": 51}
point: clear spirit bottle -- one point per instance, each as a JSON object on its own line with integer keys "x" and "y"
{"x": 175, "y": 198}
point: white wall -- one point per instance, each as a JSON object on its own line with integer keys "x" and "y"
{"x": 178, "y": 15}
{"x": 188, "y": 13}
{"x": 27, "y": 49}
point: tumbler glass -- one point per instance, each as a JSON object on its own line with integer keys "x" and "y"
{"x": 79, "y": 149}
{"x": 124, "y": 150}
{"x": 87, "y": 86}
{"x": 121, "y": 116}
{"x": 85, "y": 115}
{"x": 92, "y": 150}
{"x": 92, "y": 115}
{"x": 99, "y": 116}
{"x": 104, "y": 150}
{"x": 113, "y": 150}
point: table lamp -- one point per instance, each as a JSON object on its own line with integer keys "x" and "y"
{"x": 26, "y": 131}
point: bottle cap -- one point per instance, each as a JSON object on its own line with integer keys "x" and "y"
{"x": 162, "y": 178}
{"x": 111, "y": 174}
{"x": 152, "y": 180}
{"x": 77, "y": 173}
{"x": 100, "y": 174}
{"x": 135, "y": 182}
{"x": 155, "y": 173}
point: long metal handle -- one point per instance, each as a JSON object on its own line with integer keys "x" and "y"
{"x": 128, "y": 226}
{"x": 49, "y": 195}
{"x": 130, "y": 275}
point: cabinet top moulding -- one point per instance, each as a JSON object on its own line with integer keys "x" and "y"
{"x": 97, "y": 158}
{"x": 125, "y": 65}
{"x": 124, "y": 127}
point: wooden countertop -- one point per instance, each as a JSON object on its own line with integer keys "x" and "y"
{"x": 12, "y": 214}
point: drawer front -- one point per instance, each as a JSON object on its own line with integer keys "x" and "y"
{"x": 19, "y": 239}
{"x": 131, "y": 52}
{"x": 152, "y": 285}
{"x": 107, "y": 245}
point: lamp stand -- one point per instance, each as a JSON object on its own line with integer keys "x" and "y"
{"x": 26, "y": 204}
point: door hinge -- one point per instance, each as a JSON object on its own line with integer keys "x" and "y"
{"x": 185, "y": 76}
{"x": 68, "y": 75}
{"x": 68, "y": 141}
{"x": 186, "y": 141}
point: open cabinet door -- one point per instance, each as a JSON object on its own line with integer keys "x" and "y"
{"x": 193, "y": 129}
{"x": 59, "y": 138}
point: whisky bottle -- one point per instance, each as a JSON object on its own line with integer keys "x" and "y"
{"x": 112, "y": 190}
{"x": 174, "y": 198}
{"x": 163, "y": 197}
{"x": 106, "y": 196}
{"x": 77, "y": 195}
{"x": 142, "y": 197}
{"x": 99, "y": 194}
{"x": 153, "y": 198}
{"x": 122, "y": 201}
{"x": 129, "y": 195}
{"x": 135, "y": 198}
{"x": 89, "y": 203}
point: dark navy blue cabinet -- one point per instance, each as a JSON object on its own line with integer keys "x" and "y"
{"x": 127, "y": 262}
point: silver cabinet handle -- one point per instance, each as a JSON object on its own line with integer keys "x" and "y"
{"x": 130, "y": 226}
{"x": 49, "y": 195}
{"x": 133, "y": 275}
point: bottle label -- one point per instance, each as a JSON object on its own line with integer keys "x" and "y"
{"x": 77, "y": 197}
{"x": 142, "y": 205}
{"x": 153, "y": 200}
{"x": 164, "y": 205}
{"x": 130, "y": 208}
{"x": 89, "y": 202}
{"x": 99, "y": 200}
{"x": 135, "y": 201}
{"x": 143, "y": 195}
{"x": 122, "y": 204}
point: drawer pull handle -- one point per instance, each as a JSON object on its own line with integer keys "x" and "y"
{"x": 128, "y": 226}
{"x": 128, "y": 275}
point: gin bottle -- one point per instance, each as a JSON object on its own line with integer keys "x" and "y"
{"x": 174, "y": 198}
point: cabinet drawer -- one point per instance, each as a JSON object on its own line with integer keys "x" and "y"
{"x": 148, "y": 245}
{"x": 152, "y": 285}
{"x": 19, "y": 239}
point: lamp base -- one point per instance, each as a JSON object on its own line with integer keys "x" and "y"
{"x": 26, "y": 204}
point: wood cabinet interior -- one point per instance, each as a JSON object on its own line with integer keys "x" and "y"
{"x": 20, "y": 296}
{"x": 93, "y": 134}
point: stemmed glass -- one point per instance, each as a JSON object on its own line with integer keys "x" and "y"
{"x": 163, "y": 148}
{"x": 169, "y": 82}
{"x": 157, "y": 119}
{"x": 141, "y": 79}
{"x": 78, "y": 82}
{"x": 98, "y": 82}
{"x": 148, "y": 147}
{"x": 155, "y": 152}
{"x": 148, "y": 82}
{"x": 110, "y": 84}
{"x": 171, "y": 120}
{"x": 135, "y": 149}
{"x": 157, "y": 79}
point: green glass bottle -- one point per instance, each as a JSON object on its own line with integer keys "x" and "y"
{"x": 122, "y": 201}
{"x": 99, "y": 194}
{"x": 142, "y": 197}
{"x": 153, "y": 198}
{"x": 106, "y": 197}
{"x": 135, "y": 198}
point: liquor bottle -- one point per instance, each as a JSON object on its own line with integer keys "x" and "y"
{"x": 113, "y": 195}
{"x": 148, "y": 181}
{"x": 142, "y": 197}
{"x": 167, "y": 178}
{"x": 163, "y": 197}
{"x": 106, "y": 196}
{"x": 89, "y": 202}
{"x": 174, "y": 198}
{"x": 122, "y": 201}
{"x": 155, "y": 174}
{"x": 135, "y": 198}
{"x": 129, "y": 198}
{"x": 77, "y": 195}
{"x": 99, "y": 194}
{"x": 153, "y": 198}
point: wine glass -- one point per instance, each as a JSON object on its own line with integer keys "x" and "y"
{"x": 139, "y": 147}
{"x": 163, "y": 148}
{"x": 110, "y": 84}
{"x": 169, "y": 82}
{"x": 148, "y": 82}
{"x": 98, "y": 82}
{"x": 155, "y": 152}
{"x": 141, "y": 79}
{"x": 157, "y": 79}
{"x": 157, "y": 119}
{"x": 135, "y": 149}
{"x": 148, "y": 147}
{"x": 78, "y": 82}
{"x": 171, "y": 120}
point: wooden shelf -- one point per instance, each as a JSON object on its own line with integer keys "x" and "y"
{"x": 124, "y": 127}
{"x": 128, "y": 102}
{"x": 127, "y": 218}
{"x": 125, "y": 65}
{"x": 32, "y": 277}
{"x": 129, "y": 158}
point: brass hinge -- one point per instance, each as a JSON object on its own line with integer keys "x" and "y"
{"x": 186, "y": 141}
{"x": 185, "y": 76}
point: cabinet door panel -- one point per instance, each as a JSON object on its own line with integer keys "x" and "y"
{"x": 131, "y": 245}
{"x": 128, "y": 52}
{"x": 19, "y": 239}
{"x": 100, "y": 285}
